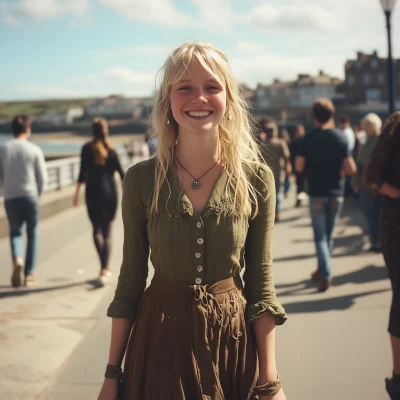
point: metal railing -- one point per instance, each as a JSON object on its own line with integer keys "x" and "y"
{"x": 64, "y": 172}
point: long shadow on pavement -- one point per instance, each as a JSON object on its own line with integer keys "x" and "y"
{"x": 93, "y": 285}
{"x": 332, "y": 304}
{"x": 349, "y": 250}
{"x": 367, "y": 274}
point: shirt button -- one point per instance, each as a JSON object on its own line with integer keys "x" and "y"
{"x": 199, "y": 268}
{"x": 200, "y": 241}
{"x": 199, "y": 224}
{"x": 198, "y": 281}
{"x": 197, "y": 255}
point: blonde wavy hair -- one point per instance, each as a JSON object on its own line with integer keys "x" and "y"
{"x": 238, "y": 147}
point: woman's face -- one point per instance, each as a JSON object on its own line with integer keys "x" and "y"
{"x": 198, "y": 101}
{"x": 369, "y": 129}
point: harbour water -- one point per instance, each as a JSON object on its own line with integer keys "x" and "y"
{"x": 50, "y": 147}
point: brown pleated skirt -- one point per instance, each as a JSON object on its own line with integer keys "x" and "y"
{"x": 190, "y": 343}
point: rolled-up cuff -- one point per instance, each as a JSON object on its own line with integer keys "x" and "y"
{"x": 122, "y": 309}
{"x": 254, "y": 311}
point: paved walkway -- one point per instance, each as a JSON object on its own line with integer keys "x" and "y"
{"x": 40, "y": 326}
{"x": 334, "y": 345}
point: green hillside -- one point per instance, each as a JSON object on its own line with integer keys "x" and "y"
{"x": 35, "y": 108}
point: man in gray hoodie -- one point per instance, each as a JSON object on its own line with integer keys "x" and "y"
{"x": 23, "y": 175}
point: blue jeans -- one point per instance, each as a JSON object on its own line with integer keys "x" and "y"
{"x": 370, "y": 206}
{"x": 324, "y": 212}
{"x": 278, "y": 202}
{"x": 23, "y": 211}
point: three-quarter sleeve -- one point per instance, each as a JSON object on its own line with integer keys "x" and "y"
{"x": 134, "y": 269}
{"x": 85, "y": 161}
{"x": 258, "y": 277}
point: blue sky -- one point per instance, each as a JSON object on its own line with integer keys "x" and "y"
{"x": 86, "y": 48}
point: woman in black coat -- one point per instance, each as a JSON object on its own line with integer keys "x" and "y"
{"x": 99, "y": 162}
{"x": 382, "y": 175}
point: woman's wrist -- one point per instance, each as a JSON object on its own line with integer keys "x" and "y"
{"x": 267, "y": 373}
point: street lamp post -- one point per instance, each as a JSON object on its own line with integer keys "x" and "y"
{"x": 388, "y": 6}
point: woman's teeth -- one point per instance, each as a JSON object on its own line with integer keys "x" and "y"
{"x": 199, "y": 113}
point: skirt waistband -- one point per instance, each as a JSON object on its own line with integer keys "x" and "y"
{"x": 178, "y": 287}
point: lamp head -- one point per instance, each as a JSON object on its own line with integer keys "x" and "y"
{"x": 388, "y": 5}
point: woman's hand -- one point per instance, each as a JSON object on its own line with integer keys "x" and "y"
{"x": 109, "y": 390}
{"x": 279, "y": 396}
{"x": 389, "y": 190}
{"x": 76, "y": 201}
{"x": 76, "y": 195}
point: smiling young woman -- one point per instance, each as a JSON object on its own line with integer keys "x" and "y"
{"x": 205, "y": 207}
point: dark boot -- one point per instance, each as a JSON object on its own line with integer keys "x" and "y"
{"x": 315, "y": 276}
{"x": 392, "y": 389}
{"x": 324, "y": 285}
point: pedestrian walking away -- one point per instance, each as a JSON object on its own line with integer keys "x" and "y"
{"x": 326, "y": 160}
{"x": 275, "y": 153}
{"x": 99, "y": 162}
{"x": 300, "y": 177}
{"x": 370, "y": 202}
{"x": 287, "y": 183}
{"x": 204, "y": 206}
{"x": 382, "y": 176}
{"x": 23, "y": 175}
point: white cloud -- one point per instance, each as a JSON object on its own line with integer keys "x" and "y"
{"x": 254, "y": 63}
{"x": 13, "y": 12}
{"x": 126, "y": 75}
{"x": 118, "y": 76}
{"x": 291, "y": 17}
{"x": 296, "y": 41}
{"x": 46, "y": 92}
{"x": 245, "y": 46}
{"x": 216, "y": 14}
{"x": 266, "y": 67}
{"x": 159, "y": 12}
{"x": 118, "y": 79}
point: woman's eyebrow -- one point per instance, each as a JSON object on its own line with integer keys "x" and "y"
{"x": 212, "y": 80}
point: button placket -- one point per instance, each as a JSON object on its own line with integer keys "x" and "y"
{"x": 198, "y": 246}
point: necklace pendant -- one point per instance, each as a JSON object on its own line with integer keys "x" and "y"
{"x": 196, "y": 184}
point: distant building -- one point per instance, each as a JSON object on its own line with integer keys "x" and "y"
{"x": 366, "y": 80}
{"x": 298, "y": 94}
{"x": 144, "y": 107}
{"x": 60, "y": 117}
{"x": 247, "y": 92}
{"x": 112, "y": 107}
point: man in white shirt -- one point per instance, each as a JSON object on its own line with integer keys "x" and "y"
{"x": 23, "y": 175}
{"x": 345, "y": 127}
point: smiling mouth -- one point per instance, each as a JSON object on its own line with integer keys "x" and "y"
{"x": 198, "y": 114}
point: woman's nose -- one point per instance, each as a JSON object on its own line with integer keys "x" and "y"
{"x": 199, "y": 96}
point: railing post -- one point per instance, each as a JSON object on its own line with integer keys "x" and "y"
{"x": 59, "y": 176}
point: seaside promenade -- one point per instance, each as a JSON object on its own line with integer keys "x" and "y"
{"x": 54, "y": 338}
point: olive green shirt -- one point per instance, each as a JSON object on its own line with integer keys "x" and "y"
{"x": 196, "y": 249}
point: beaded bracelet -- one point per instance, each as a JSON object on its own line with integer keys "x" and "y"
{"x": 113, "y": 372}
{"x": 268, "y": 389}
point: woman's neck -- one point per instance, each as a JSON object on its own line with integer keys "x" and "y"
{"x": 197, "y": 153}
